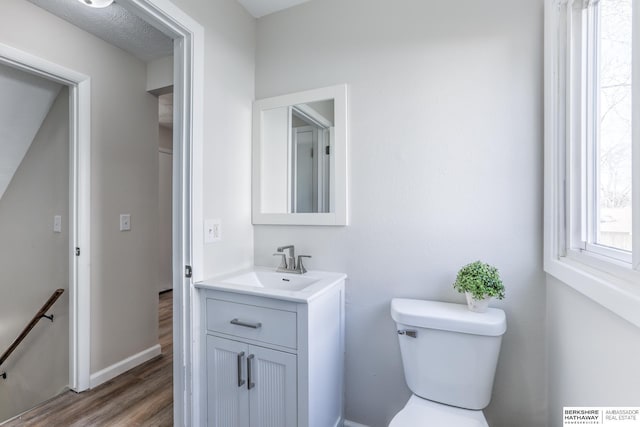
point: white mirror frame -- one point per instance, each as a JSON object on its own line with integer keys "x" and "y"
{"x": 339, "y": 215}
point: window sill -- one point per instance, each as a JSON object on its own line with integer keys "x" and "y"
{"x": 621, "y": 295}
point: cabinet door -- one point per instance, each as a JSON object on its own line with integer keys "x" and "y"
{"x": 227, "y": 394}
{"x": 273, "y": 394}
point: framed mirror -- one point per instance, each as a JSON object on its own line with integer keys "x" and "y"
{"x": 299, "y": 174}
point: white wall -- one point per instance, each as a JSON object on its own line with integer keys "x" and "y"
{"x": 446, "y": 167}
{"x": 25, "y": 101}
{"x": 593, "y": 354}
{"x": 160, "y": 75}
{"x": 34, "y": 262}
{"x": 124, "y": 160}
{"x": 228, "y": 95}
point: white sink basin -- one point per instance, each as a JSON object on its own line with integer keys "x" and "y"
{"x": 272, "y": 280}
{"x": 265, "y": 281}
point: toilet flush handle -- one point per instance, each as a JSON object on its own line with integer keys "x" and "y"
{"x": 408, "y": 332}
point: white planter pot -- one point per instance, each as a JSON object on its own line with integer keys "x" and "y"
{"x": 478, "y": 306}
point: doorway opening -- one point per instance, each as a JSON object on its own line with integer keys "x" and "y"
{"x": 187, "y": 200}
{"x": 35, "y": 225}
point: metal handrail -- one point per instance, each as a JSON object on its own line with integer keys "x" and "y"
{"x": 39, "y": 315}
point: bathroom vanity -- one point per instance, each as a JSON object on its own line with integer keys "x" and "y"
{"x": 273, "y": 349}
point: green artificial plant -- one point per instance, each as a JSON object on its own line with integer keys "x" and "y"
{"x": 481, "y": 280}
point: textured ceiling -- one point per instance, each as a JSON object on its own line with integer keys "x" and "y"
{"x": 115, "y": 25}
{"x": 119, "y": 27}
{"x": 259, "y": 8}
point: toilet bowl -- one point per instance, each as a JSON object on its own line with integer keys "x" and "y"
{"x": 420, "y": 412}
{"x": 449, "y": 356}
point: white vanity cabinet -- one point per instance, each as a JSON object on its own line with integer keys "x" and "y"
{"x": 273, "y": 362}
{"x": 250, "y": 385}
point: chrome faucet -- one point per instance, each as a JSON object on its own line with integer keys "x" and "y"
{"x": 288, "y": 264}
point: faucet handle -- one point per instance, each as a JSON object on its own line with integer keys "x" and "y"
{"x": 283, "y": 264}
{"x": 300, "y": 267}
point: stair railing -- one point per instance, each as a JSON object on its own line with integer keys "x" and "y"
{"x": 39, "y": 315}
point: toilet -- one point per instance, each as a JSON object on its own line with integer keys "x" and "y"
{"x": 449, "y": 355}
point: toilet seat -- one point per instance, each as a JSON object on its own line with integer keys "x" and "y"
{"x": 420, "y": 412}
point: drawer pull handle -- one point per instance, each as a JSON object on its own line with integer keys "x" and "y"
{"x": 246, "y": 324}
{"x": 240, "y": 380}
{"x": 250, "y": 384}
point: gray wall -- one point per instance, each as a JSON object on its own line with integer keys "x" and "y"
{"x": 34, "y": 262}
{"x": 229, "y": 61}
{"x": 445, "y": 168}
{"x": 165, "y": 138}
{"x": 124, "y": 162}
{"x": 593, "y": 354}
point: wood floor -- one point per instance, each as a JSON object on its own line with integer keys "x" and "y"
{"x": 142, "y": 396}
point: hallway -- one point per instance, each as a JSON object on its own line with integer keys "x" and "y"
{"x": 142, "y": 396}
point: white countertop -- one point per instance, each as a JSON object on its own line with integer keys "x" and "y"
{"x": 322, "y": 281}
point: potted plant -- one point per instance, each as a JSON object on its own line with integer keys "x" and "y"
{"x": 480, "y": 282}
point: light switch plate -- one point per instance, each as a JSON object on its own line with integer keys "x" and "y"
{"x": 125, "y": 222}
{"x": 212, "y": 230}
{"x": 57, "y": 224}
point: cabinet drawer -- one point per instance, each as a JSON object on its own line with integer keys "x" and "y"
{"x": 249, "y": 321}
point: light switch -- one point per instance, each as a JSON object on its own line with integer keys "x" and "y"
{"x": 125, "y": 222}
{"x": 57, "y": 224}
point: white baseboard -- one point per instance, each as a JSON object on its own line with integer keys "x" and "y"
{"x": 348, "y": 423}
{"x": 123, "y": 366}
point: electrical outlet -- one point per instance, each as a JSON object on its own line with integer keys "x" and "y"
{"x": 125, "y": 222}
{"x": 212, "y": 230}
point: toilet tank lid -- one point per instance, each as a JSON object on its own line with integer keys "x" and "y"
{"x": 448, "y": 317}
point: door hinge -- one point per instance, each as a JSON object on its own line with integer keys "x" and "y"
{"x": 77, "y": 251}
{"x": 327, "y": 150}
{"x": 188, "y": 272}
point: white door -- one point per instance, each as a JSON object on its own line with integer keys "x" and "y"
{"x": 273, "y": 395}
{"x": 227, "y": 391}
{"x": 305, "y": 141}
{"x": 165, "y": 174}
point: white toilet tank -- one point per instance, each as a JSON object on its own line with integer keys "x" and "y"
{"x": 452, "y": 358}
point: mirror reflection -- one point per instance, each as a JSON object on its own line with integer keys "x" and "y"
{"x": 299, "y": 174}
{"x": 297, "y": 164}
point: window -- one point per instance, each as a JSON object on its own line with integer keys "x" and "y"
{"x": 592, "y": 139}
{"x": 608, "y": 129}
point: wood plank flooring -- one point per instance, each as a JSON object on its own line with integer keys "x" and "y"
{"x": 142, "y": 396}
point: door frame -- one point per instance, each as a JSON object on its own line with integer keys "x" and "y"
{"x": 188, "y": 246}
{"x": 188, "y": 238}
{"x": 79, "y": 203}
